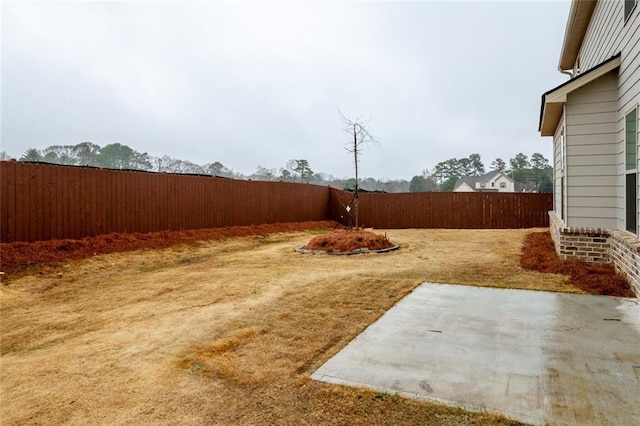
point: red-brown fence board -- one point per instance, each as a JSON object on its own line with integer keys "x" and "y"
{"x": 42, "y": 201}
{"x": 453, "y": 210}
{"x": 8, "y": 201}
{"x": 22, "y": 205}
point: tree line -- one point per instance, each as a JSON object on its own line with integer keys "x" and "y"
{"x": 530, "y": 174}
{"x": 118, "y": 156}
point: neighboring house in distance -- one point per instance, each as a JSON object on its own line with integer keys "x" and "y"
{"x": 491, "y": 182}
{"x": 593, "y": 119}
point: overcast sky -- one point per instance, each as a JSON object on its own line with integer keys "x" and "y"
{"x": 259, "y": 83}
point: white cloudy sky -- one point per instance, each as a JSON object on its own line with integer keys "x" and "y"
{"x": 259, "y": 83}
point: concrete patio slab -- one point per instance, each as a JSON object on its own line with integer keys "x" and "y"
{"x": 536, "y": 357}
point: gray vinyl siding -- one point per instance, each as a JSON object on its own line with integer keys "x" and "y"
{"x": 557, "y": 172}
{"x": 607, "y": 33}
{"x": 591, "y": 158}
{"x": 606, "y": 36}
{"x": 629, "y": 97}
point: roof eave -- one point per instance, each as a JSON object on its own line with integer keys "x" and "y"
{"x": 577, "y": 24}
{"x": 553, "y": 101}
{"x": 551, "y": 115}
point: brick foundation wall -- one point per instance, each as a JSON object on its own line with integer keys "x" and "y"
{"x": 580, "y": 243}
{"x": 598, "y": 245}
{"x": 625, "y": 254}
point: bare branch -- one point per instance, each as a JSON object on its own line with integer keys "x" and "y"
{"x": 361, "y": 136}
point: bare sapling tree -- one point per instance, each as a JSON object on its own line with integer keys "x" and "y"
{"x": 357, "y": 129}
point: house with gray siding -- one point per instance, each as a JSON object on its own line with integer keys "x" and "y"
{"x": 593, "y": 120}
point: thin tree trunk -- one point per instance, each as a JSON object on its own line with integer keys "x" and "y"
{"x": 355, "y": 155}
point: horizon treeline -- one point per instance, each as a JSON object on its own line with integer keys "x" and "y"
{"x": 530, "y": 174}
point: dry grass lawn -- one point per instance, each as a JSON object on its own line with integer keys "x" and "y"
{"x": 228, "y": 331}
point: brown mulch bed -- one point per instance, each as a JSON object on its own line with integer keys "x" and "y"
{"x": 348, "y": 240}
{"x": 539, "y": 254}
{"x": 18, "y": 256}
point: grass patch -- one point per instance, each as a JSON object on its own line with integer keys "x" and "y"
{"x": 198, "y": 343}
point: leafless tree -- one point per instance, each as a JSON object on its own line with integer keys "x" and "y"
{"x": 357, "y": 129}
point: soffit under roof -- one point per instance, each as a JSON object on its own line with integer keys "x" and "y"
{"x": 577, "y": 24}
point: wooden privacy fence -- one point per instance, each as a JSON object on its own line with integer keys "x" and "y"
{"x": 453, "y": 210}
{"x": 43, "y": 201}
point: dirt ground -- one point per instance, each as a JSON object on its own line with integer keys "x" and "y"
{"x": 227, "y": 331}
